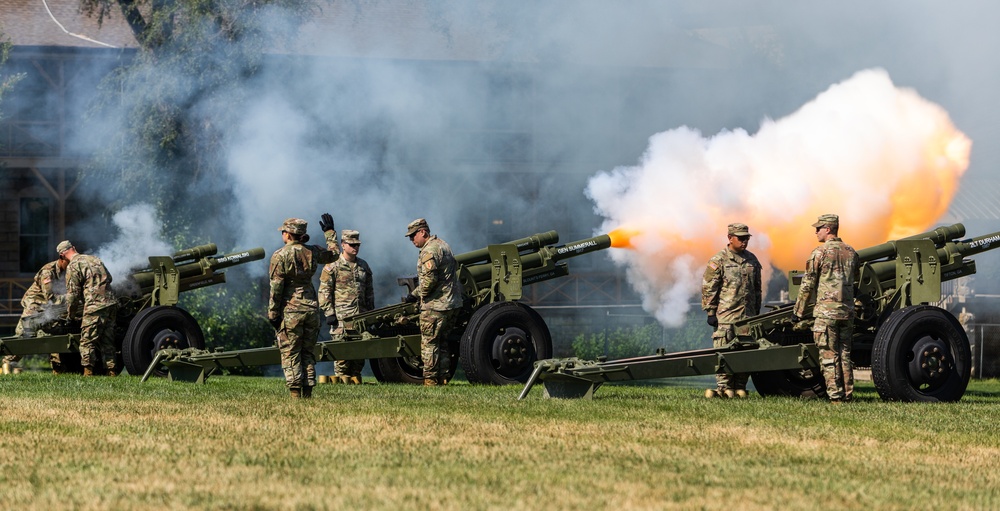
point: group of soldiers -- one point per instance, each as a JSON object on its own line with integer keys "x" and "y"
{"x": 346, "y": 288}
{"x": 731, "y": 291}
{"x": 74, "y": 287}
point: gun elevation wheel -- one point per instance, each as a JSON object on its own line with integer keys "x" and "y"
{"x": 410, "y": 369}
{"x": 805, "y": 383}
{"x": 502, "y": 343}
{"x": 155, "y": 329}
{"x": 921, "y": 353}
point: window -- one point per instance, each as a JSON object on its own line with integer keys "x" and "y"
{"x": 36, "y": 223}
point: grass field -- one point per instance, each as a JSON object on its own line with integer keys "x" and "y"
{"x": 241, "y": 443}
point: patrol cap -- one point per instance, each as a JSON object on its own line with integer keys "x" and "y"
{"x": 415, "y": 226}
{"x": 63, "y": 246}
{"x": 294, "y": 226}
{"x": 827, "y": 219}
{"x": 349, "y": 236}
{"x": 739, "y": 230}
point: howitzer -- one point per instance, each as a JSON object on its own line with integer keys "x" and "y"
{"x": 496, "y": 337}
{"x": 917, "y": 350}
{"x": 148, "y": 319}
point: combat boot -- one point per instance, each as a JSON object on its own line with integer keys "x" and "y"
{"x": 307, "y": 392}
{"x": 295, "y": 392}
{"x": 112, "y": 373}
{"x": 430, "y": 382}
{"x": 88, "y": 371}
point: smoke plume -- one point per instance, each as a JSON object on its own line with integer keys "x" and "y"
{"x": 883, "y": 158}
{"x": 138, "y": 238}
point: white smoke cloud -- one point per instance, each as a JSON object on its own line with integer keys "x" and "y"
{"x": 138, "y": 238}
{"x": 882, "y": 157}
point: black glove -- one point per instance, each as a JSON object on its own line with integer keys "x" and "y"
{"x": 713, "y": 321}
{"x": 275, "y": 323}
{"x": 410, "y": 298}
{"x": 326, "y": 222}
{"x": 795, "y": 318}
{"x": 332, "y": 321}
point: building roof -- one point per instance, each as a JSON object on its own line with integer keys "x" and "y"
{"x": 407, "y": 29}
{"x": 29, "y": 23}
{"x": 977, "y": 199}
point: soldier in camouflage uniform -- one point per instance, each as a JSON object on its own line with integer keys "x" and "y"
{"x": 88, "y": 287}
{"x": 345, "y": 289}
{"x": 440, "y": 297}
{"x": 731, "y": 291}
{"x": 828, "y": 287}
{"x": 293, "y": 309}
{"x": 43, "y": 297}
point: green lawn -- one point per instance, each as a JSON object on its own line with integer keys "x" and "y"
{"x": 241, "y": 443}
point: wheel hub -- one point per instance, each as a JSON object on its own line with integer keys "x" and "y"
{"x": 167, "y": 338}
{"x": 930, "y": 362}
{"x": 512, "y": 348}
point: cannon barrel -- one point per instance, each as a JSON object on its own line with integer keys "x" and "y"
{"x": 950, "y": 255}
{"x": 939, "y": 236}
{"x": 533, "y": 242}
{"x": 190, "y": 254}
{"x": 545, "y": 255}
{"x": 202, "y": 266}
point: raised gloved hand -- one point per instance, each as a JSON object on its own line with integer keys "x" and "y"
{"x": 713, "y": 321}
{"x": 332, "y": 321}
{"x": 410, "y": 298}
{"x": 326, "y": 222}
{"x": 275, "y": 323}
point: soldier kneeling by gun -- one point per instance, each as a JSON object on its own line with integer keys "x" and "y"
{"x": 43, "y": 307}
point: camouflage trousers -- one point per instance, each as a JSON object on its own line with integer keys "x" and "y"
{"x": 833, "y": 338}
{"x": 723, "y": 336}
{"x": 297, "y": 342}
{"x": 345, "y": 367}
{"x": 434, "y": 328}
{"x": 97, "y": 338}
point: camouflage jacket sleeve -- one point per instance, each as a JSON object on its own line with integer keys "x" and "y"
{"x": 759, "y": 293}
{"x": 427, "y": 272}
{"x": 327, "y": 290}
{"x": 277, "y": 272}
{"x": 74, "y": 289}
{"x": 807, "y": 289}
{"x": 369, "y": 290}
{"x": 711, "y": 285}
{"x": 331, "y": 253}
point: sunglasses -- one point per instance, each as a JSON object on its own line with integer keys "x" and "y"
{"x": 743, "y": 239}
{"x": 354, "y": 245}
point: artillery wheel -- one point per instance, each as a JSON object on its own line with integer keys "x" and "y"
{"x": 155, "y": 329}
{"x": 921, "y": 353}
{"x": 410, "y": 369}
{"x": 804, "y": 383}
{"x": 502, "y": 343}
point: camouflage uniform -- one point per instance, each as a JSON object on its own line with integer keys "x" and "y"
{"x": 440, "y": 296}
{"x": 88, "y": 287}
{"x": 293, "y": 304}
{"x": 346, "y": 289}
{"x": 731, "y": 291}
{"x": 828, "y": 282}
{"x": 47, "y": 290}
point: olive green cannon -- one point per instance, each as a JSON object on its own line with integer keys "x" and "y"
{"x": 496, "y": 338}
{"x": 148, "y": 319}
{"x": 917, "y": 351}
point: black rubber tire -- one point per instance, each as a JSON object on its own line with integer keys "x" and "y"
{"x": 502, "y": 343}
{"x": 805, "y": 384}
{"x": 409, "y": 369}
{"x": 156, "y": 328}
{"x": 922, "y": 354}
